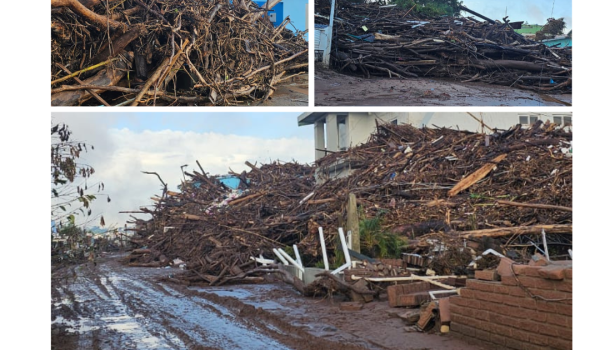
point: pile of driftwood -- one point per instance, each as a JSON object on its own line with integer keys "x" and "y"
{"x": 442, "y": 189}
{"x": 169, "y": 52}
{"x": 386, "y": 41}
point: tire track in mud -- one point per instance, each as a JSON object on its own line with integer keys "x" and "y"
{"x": 112, "y": 307}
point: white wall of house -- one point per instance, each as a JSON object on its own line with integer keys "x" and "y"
{"x": 338, "y": 131}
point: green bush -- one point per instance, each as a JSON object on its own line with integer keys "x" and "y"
{"x": 376, "y": 243}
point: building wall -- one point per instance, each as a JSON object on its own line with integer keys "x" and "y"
{"x": 360, "y": 125}
{"x": 503, "y": 315}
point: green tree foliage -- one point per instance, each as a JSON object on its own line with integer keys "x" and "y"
{"x": 377, "y": 243}
{"x": 431, "y": 8}
{"x": 69, "y": 177}
{"x": 551, "y": 29}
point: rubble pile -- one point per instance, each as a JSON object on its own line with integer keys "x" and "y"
{"x": 169, "y": 52}
{"x": 413, "y": 175}
{"x": 451, "y": 194}
{"x": 370, "y": 39}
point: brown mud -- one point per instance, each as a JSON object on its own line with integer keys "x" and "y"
{"x": 335, "y": 89}
{"x": 111, "y": 306}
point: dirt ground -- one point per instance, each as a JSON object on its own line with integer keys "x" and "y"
{"x": 291, "y": 93}
{"x": 111, "y": 306}
{"x": 335, "y": 89}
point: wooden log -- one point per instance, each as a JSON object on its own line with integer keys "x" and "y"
{"x": 475, "y": 176}
{"x": 352, "y": 222}
{"x": 107, "y": 77}
{"x": 243, "y": 199}
{"x": 534, "y": 205}
{"x": 519, "y": 230}
{"x": 321, "y": 201}
{"x": 102, "y": 21}
{"x": 521, "y": 65}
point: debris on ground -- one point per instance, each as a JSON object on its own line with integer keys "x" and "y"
{"x": 451, "y": 196}
{"x": 169, "y": 52}
{"x": 374, "y": 40}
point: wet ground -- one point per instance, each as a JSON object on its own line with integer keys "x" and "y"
{"x": 335, "y": 89}
{"x": 293, "y": 92}
{"x": 110, "y": 306}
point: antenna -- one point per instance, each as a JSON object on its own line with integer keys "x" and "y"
{"x": 552, "y": 13}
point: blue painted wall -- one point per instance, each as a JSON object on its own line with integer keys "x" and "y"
{"x": 564, "y": 42}
{"x": 296, "y": 9}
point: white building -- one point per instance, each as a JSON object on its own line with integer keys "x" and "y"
{"x": 340, "y": 130}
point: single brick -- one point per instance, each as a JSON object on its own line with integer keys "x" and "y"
{"x": 530, "y": 326}
{"x": 485, "y": 286}
{"x": 547, "y": 284}
{"x": 487, "y": 275}
{"x": 564, "y": 286}
{"x": 564, "y": 309}
{"x": 504, "y": 268}
{"x": 545, "y": 306}
{"x": 534, "y": 315}
{"x": 569, "y": 273}
{"x": 509, "y": 281}
{"x": 427, "y": 315}
{"x": 527, "y": 281}
{"x": 500, "y": 289}
{"x": 444, "y": 306}
{"x": 461, "y": 328}
{"x": 498, "y": 339}
{"x": 552, "y": 295}
{"x": 511, "y": 300}
{"x": 527, "y": 270}
{"x": 516, "y": 344}
{"x": 520, "y": 335}
{"x": 502, "y": 319}
{"x": 483, "y": 335}
{"x": 517, "y": 291}
{"x": 414, "y": 299}
{"x": 553, "y": 272}
{"x": 461, "y": 301}
{"x": 488, "y": 296}
{"x": 561, "y": 344}
{"x": 466, "y": 293}
{"x": 500, "y": 329}
{"x": 482, "y": 315}
{"x": 559, "y": 320}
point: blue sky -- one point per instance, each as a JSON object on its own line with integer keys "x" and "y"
{"x": 532, "y": 11}
{"x": 263, "y": 125}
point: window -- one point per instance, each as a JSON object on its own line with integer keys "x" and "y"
{"x": 527, "y": 119}
{"x": 562, "y": 120}
{"x": 394, "y": 122}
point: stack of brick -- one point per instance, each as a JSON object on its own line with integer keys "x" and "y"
{"x": 529, "y": 308}
{"x": 408, "y": 295}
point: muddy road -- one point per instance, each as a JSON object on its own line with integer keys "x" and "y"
{"x": 335, "y": 89}
{"x": 110, "y": 306}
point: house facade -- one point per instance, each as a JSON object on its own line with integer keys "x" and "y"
{"x": 337, "y": 131}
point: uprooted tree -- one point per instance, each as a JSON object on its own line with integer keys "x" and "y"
{"x": 71, "y": 193}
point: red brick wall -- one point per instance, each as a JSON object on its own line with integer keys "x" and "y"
{"x": 503, "y": 315}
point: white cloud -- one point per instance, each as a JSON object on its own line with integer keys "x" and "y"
{"x": 121, "y": 154}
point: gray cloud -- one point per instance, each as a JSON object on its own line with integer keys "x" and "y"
{"x": 121, "y": 154}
